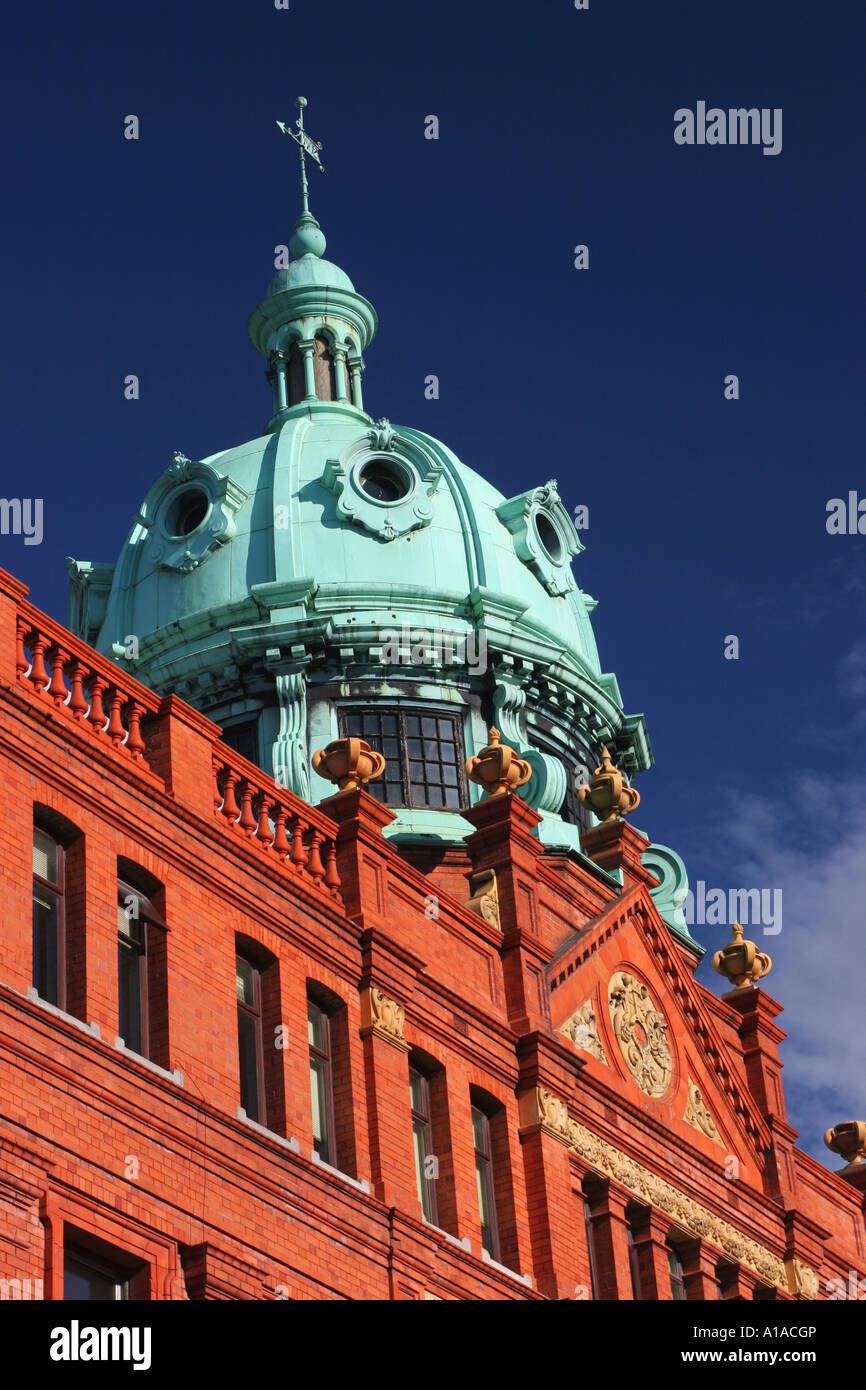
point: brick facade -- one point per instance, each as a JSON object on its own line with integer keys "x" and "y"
{"x": 599, "y": 1188}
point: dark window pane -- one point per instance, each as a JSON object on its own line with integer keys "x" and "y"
{"x": 452, "y": 796}
{"x": 428, "y": 728}
{"x": 435, "y": 796}
{"x": 249, "y": 1063}
{"x": 244, "y": 739}
{"x": 413, "y": 724}
{"x": 449, "y": 776}
{"x": 389, "y": 724}
{"x": 129, "y": 966}
{"x": 446, "y": 728}
{"x": 45, "y": 945}
{"x": 391, "y": 748}
{"x": 449, "y": 753}
{"x": 83, "y": 1281}
{"x": 415, "y": 748}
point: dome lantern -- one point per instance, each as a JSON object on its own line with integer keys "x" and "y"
{"x": 312, "y": 327}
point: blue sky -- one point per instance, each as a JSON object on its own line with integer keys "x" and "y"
{"x": 707, "y": 516}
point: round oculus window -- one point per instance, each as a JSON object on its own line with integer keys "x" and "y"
{"x": 549, "y": 537}
{"x": 384, "y": 480}
{"x": 187, "y": 512}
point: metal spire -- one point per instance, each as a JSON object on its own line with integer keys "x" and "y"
{"x": 306, "y": 146}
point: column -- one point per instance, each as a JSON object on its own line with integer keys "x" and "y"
{"x": 281, "y": 399}
{"x": 699, "y": 1262}
{"x": 355, "y": 366}
{"x": 339, "y": 355}
{"x": 308, "y": 348}
{"x": 610, "y": 1226}
{"x": 389, "y": 1114}
{"x": 552, "y": 1205}
{"x": 649, "y": 1231}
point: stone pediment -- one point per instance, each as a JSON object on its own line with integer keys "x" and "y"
{"x": 622, "y": 996}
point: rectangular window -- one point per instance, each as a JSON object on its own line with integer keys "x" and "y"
{"x": 132, "y": 980}
{"x": 422, "y": 1142}
{"x": 678, "y": 1287}
{"x": 634, "y": 1265}
{"x": 590, "y": 1247}
{"x": 48, "y": 919}
{"x": 484, "y": 1183}
{"x": 249, "y": 992}
{"x": 423, "y": 756}
{"x": 321, "y": 1083}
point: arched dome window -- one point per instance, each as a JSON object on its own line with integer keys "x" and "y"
{"x": 323, "y": 367}
{"x": 297, "y": 385}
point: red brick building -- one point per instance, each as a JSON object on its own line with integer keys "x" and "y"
{"x": 350, "y": 1068}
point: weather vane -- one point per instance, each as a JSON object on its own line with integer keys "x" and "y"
{"x": 306, "y": 146}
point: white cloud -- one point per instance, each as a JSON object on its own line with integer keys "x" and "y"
{"x": 813, "y": 847}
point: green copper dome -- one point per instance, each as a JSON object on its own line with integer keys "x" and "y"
{"x": 337, "y": 574}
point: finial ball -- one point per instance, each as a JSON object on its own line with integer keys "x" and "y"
{"x": 300, "y": 102}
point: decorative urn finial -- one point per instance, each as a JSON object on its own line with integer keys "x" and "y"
{"x": 350, "y": 762}
{"x": 849, "y": 1141}
{"x": 497, "y": 767}
{"x": 608, "y": 793}
{"x": 741, "y": 962}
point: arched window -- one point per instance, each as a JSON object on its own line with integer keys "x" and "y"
{"x": 323, "y": 368}
{"x": 260, "y": 1051}
{"x": 321, "y": 1083}
{"x": 296, "y": 378}
{"x": 331, "y": 1086}
{"x": 142, "y": 1003}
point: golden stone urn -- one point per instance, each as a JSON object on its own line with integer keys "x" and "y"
{"x": 849, "y": 1141}
{"x": 350, "y": 762}
{"x": 608, "y": 793}
{"x": 741, "y": 962}
{"x": 497, "y": 767}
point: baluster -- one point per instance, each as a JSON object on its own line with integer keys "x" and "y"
{"x": 96, "y": 713}
{"x": 332, "y": 878}
{"x": 281, "y": 843}
{"x": 77, "y": 702}
{"x": 231, "y": 810}
{"x": 263, "y": 832}
{"x": 217, "y": 789}
{"x": 38, "y": 674}
{"x": 57, "y": 685}
{"x": 22, "y": 665}
{"x": 135, "y": 743}
{"x": 247, "y": 822}
{"x": 315, "y": 867}
{"x": 115, "y": 730}
{"x": 299, "y": 854}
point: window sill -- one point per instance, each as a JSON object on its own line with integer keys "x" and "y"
{"x": 175, "y": 1076}
{"x": 361, "y": 1183}
{"x": 503, "y": 1269}
{"x": 92, "y": 1028}
{"x": 464, "y": 1244}
{"x": 291, "y": 1144}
